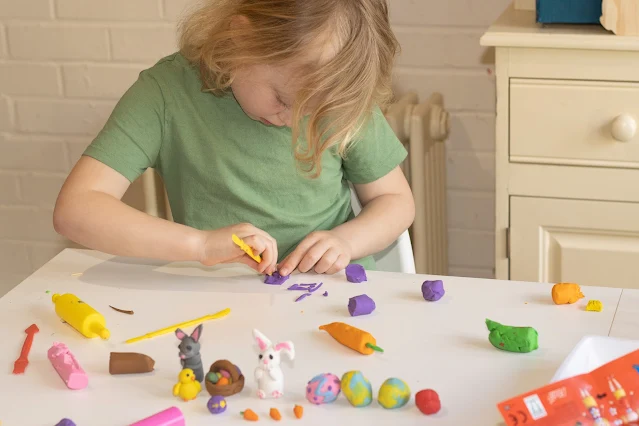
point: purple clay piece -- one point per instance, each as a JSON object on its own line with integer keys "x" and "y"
{"x": 355, "y": 273}
{"x": 325, "y": 294}
{"x": 304, "y": 287}
{"x": 276, "y": 279}
{"x": 433, "y": 290}
{"x": 302, "y": 296}
{"x": 65, "y": 422}
{"x": 360, "y": 305}
{"x": 315, "y": 288}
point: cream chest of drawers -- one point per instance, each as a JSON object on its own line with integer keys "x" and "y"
{"x": 567, "y": 153}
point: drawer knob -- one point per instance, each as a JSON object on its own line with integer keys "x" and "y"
{"x": 624, "y": 128}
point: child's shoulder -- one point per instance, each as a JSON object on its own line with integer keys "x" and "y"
{"x": 173, "y": 70}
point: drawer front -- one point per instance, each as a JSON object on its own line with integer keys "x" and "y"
{"x": 587, "y": 242}
{"x": 574, "y": 122}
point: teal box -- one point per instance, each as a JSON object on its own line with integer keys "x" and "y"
{"x": 568, "y": 11}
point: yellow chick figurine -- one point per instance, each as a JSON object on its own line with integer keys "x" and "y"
{"x": 187, "y": 388}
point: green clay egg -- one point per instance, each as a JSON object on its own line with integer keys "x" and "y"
{"x": 212, "y": 377}
{"x": 357, "y": 389}
{"x": 394, "y": 393}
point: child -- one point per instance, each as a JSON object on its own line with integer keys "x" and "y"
{"x": 256, "y": 126}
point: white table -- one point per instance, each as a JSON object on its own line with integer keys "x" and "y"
{"x": 440, "y": 345}
{"x": 626, "y": 321}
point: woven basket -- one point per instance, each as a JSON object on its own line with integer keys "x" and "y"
{"x": 226, "y": 390}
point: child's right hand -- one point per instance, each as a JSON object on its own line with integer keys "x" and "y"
{"x": 217, "y": 246}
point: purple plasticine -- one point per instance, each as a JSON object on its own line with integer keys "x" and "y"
{"x": 297, "y": 287}
{"x": 304, "y": 287}
{"x": 355, "y": 273}
{"x": 360, "y": 305}
{"x": 310, "y": 290}
{"x": 433, "y": 290}
{"x": 302, "y": 296}
{"x": 325, "y": 294}
{"x": 276, "y": 279}
{"x": 65, "y": 422}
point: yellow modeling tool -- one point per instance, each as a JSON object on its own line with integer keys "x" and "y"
{"x": 185, "y": 324}
{"x": 248, "y": 250}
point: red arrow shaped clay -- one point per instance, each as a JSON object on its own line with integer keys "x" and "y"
{"x": 22, "y": 362}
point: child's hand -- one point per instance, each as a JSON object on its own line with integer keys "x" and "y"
{"x": 217, "y": 246}
{"x": 323, "y": 251}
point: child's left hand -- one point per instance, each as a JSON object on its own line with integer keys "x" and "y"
{"x": 323, "y": 251}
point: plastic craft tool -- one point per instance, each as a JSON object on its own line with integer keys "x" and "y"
{"x": 185, "y": 324}
{"x": 247, "y": 249}
{"x": 22, "y": 362}
{"x": 79, "y": 315}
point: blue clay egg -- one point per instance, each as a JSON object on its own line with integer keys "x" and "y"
{"x": 357, "y": 389}
{"x": 323, "y": 388}
{"x": 216, "y": 405}
{"x": 394, "y": 393}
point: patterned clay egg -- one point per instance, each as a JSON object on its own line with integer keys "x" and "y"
{"x": 394, "y": 393}
{"x": 216, "y": 405}
{"x": 357, "y": 389}
{"x": 323, "y": 388}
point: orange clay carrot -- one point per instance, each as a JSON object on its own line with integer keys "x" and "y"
{"x": 275, "y": 414}
{"x": 249, "y": 415}
{"x": 351, "y": 337}
{"x": 298, "y": 410}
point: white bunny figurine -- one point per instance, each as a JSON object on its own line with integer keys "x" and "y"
{"x": 268, "y": 374}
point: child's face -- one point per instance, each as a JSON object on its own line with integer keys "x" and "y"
{"x": 266, "y": 93}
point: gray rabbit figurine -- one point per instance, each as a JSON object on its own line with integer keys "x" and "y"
{"x": 190, "y": 351}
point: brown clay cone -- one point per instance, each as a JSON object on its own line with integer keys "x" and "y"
{"x": 130, "y": 363}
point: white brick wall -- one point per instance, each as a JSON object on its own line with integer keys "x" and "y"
{"x": 58, "y": 41}
{"x": 64, "y": 64}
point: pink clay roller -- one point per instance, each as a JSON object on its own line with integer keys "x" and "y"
{"x": 67, "y": 366}
{"x": 169, "y": 417}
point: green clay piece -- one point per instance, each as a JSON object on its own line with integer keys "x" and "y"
{"x": 513, "y": 339}
{"x": 375, "y": 348}
{"x": 212, "y": 377}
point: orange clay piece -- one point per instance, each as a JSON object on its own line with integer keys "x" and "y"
{"x": 249, "y": 415}
{"x": 275, "y": 414}
{"x": 351, "y": 337}
{"x": 223, "y": 381}
{"x": 566, "y": 293}
{"x": 298, "y": 410}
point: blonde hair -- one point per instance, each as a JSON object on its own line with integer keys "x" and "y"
{"x": 343, "y": 89}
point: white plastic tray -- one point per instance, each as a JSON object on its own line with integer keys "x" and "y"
{"x": 592, "y": 352}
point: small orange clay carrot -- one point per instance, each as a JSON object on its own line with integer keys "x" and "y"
{"x": 298, "y": 410}
{"x": 275, "y": 414}
{"x": 249, "y": 415}
{"x": 351, "y": 337}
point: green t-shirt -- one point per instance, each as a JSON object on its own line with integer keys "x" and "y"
{"x": 221, "y": 168}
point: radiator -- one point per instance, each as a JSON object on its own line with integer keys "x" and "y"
{"x": 423, "y": 129}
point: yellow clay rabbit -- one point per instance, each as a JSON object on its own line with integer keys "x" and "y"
{"x": 187, "y": 388}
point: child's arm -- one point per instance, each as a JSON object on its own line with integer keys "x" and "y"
{"x": 90, "y": 212}
{"x": 388, "y": 209}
